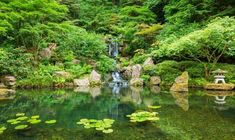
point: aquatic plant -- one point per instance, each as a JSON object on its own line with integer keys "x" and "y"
{"x": 34, "y": 121}
{"x": 35, "y": 117}
{"x": 21, "y": 127}
{"x": 154, "y": 107}
{"x": 22, "y": 118}
{"x": 143, "y": 116}
{"x": 99, "y": 125}
{"x": 2, "y": 129}
{"x": 50, "y": 122}
{"x": 20, "y": 114}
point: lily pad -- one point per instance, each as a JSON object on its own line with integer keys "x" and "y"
{"x": 34, "y": 121}
{"x": 16, "y": 122}
{"x": 20, "y": 114}
{"x": 11, "y": 120}
{"x": 3, "y": 128}
{"x": 107, "y": 131}
{"x": 22, "y": 118}
{"x": 21, "y": 127}
{"x": 50, "y": 122}
{"x": 154, "y": 107}
{"x": 35, "y": 117}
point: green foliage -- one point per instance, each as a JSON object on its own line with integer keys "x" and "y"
{"x": 99, "y": 125}
{"x": 105, "y": 64}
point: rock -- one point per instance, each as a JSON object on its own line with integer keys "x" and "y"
{"x": 148, "y": 62}
{"x": 136, "y": 71}
{"x": 137, "y": 82}
{"x": 2, "y": 85}
{"x": 46, "y": 53}
{"x": 9, "y": 81}
{"x": 127, "y": 72}
{"x": 155, "y": 80}
{"x": 75, "y": 61}
{"x": 62, "y": 74}
{"x": 95, "y": 78}
{"x": 181, "y": 83}
{"x": 81, "y": 82}
{"x": 225, "y": 87}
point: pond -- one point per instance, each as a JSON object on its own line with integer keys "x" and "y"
{"x": 196, "y": 115}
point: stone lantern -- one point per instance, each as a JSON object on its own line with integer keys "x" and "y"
{"x": 219, "y": 76}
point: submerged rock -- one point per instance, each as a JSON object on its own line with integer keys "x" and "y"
{"x": 81, "y": 82}
{"x": 155, "y": 80}
{"x": 137, "y": 82}
{"x": 181, "y": 83}
{"x": 95, "y": 78}
{"x": 213, "y": 86}
{"x": 136, "y": 71}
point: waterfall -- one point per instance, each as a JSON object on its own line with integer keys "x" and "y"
{"x": 117, "y": 82}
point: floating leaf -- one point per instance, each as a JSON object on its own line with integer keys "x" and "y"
{"x": 99, "y": 128}
{"x": 35, "y": 117}
{"x": 20, "y": 114}
{"x": 21, "y": 127}
{"x": 3, "y": 128}
{"x": 16, "y": 122}
{"x": 50, "y": 121}
{"x": 22, "y": 118}
{"x": 143, "y": 116}
{"x": 154, "y": 107}
{"x": 107, "y": 131}
{"x": 11, "y": 120}
{"x": 34, "y": 121}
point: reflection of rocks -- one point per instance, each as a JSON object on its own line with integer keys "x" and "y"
{"x": 81, "y": 82}
{"x": 95, "y": 78}
{"x": 213, "y": 86}
{"x": 155, "y": 80}
{"x": 155, "y": 89}
{"x": 181, "y": 83}
{"x": 148, "y": 101}
{"x": 181, "y": 99}
{"x": 137, "y": 82}
{"x": 219, "y": 93}
{"x": 135, "y": 93}
{"x": 7, "y": 94}
{"x": 95, "y": 91}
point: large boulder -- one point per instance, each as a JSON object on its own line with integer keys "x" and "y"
{"x": 137, "y": 82}
{"x": 62, "y": 74}
{"x": 9, "y": 81}
{"x": 81, "y": 82}
{"x": 95, "y": 78}
{"x": 127, "y": 72}
{"x": 136, "y": 71}
{"x": 148, "y": 62}
{"x": 155, "y": 80}
{"x": 181, "y": 83}
{"x": 225, "y": 87}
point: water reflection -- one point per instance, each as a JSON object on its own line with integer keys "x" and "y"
{"x": 94, "y": 91}
{"x": 181, "y": 99}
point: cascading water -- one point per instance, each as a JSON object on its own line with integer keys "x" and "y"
{"x": 117, "y": 82}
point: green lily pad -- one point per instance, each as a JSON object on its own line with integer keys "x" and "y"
{"x": 107, "y": 131}
{"x": 11, "y": 120}
{"x": 50, "y": 122}
{"x": 154, "y": 107}
{"x": 3, "y": 128}
{"x": 16, "y": 122}
{"x": 22, "y": 118}
{"x": 35, "y": 117}
{"x": 99, "y": 128}
{"x": 34, "y": 121}
{"x": 87, "y": 126}
{"x": 21, "y": 127}
{"x": 20, "y": 114}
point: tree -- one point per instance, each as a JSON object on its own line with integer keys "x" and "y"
{"x": 209, "y": 44}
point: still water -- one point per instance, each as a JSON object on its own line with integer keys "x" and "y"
{"x": 197, "y": 115}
